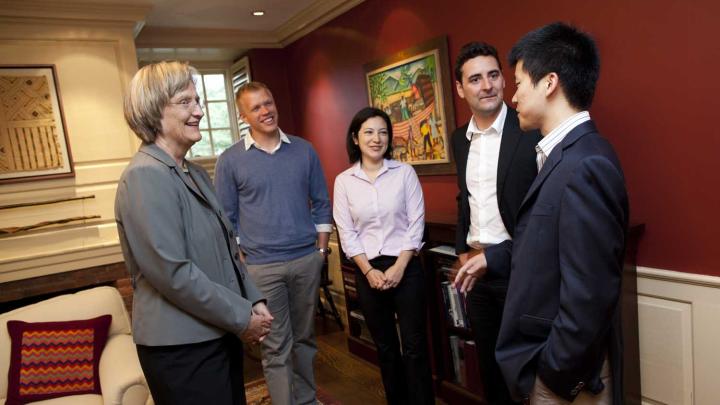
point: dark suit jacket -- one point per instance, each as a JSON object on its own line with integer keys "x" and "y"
{"x": 516, "y": 171}
{"x": 562, "y": 309}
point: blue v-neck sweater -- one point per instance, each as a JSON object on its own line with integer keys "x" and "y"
{"x": 273, "y": 200}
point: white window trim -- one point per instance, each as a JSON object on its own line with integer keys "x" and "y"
{"x": 241, "y": 65}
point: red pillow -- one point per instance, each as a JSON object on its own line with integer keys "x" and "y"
{"x": 55, "y": 359}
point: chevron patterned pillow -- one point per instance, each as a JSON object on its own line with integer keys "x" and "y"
{"x": 54, "y": 359}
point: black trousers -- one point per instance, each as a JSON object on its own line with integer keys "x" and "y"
{"x": 484, "y": 304}
{"x": 406, "y": 373}
{"x": 199, "y": 373}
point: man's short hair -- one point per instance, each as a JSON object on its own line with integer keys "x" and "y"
{"x": 473, "y": 50}
{"x": 150, "y": 92}
{"x": 565, "y": 50}
{"x": 248, "y": 88}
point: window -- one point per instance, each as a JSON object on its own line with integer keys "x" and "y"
{"x": 221, "y": 126}
{"x": 240, "y": 72}
{"x": 218, "y": 131}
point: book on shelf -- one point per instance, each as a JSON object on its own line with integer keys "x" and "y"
{"x": 454, "y": 304}
{"x": 463, "y": 354}
{"x": 349, "y": 284}
{"x": 447, "y": 301}
{"x": 463, "y": 363}
{"x": 348, "y": 278}
{"x": 444, "y": 250}
{"x": 448, "y": 272}
{"x": 472, "y": 368}
{"x": 352, "y": 294}
{"x": 457, "y": 358}
{"x": 364, "y": 333}
{"x": 458, "y": 300}
{"x": 446, "y": 261}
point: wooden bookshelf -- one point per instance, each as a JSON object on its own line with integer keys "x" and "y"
{"x": 449, "y": 385}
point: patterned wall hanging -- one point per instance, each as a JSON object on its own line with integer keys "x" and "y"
{"x": 33, "y": 136}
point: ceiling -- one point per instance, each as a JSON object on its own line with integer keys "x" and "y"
{"x": 198, "y": 30}
{"x": 224, "y": 29}
{"x": 227, "y": 14}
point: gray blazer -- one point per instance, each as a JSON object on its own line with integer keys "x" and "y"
{"x": 181, "y": 253}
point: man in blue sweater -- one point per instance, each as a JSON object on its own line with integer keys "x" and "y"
{"x": 273, "y": 190}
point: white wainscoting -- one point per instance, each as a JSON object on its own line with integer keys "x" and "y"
{"x": 679, "y": 325}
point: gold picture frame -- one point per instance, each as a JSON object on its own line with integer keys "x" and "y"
{"x": 33, "y": 134}
{"x": 413, "y": 87}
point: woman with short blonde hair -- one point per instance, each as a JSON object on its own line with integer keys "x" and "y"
{"x": 192, "y": 298}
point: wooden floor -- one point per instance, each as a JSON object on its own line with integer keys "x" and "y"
{"x": 347, "y": 378}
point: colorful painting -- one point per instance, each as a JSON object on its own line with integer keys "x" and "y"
{"x": 413, "y": 89}
{"x": 33, "y": 138}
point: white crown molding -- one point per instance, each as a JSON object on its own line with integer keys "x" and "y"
{"x": 678, "y": 277}
{"x": 311, "y": 18}
{"x": 172, "y": 37}
{"x": 74, "y": 10}
{"x": 201, "y": 58}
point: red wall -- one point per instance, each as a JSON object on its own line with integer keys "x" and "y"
{"x": 268, "y": 66}
{"x": 656, "y": 98}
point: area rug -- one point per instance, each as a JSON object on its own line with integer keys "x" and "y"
{"x": 256, "y": 393}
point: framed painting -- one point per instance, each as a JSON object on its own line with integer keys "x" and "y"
{"x": 413, "y": 88}
{"x": 33, "y": 135}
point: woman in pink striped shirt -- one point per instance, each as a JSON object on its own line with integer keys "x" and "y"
{"x": 380, "y": 215}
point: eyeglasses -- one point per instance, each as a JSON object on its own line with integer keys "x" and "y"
{"x": 189, "y": 104}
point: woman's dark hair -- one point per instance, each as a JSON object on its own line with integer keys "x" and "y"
{"x": 363, "y": 115}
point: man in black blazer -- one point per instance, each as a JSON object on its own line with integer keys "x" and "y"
{"x": 560, "y": 339}
{"x": 495, "y": 166}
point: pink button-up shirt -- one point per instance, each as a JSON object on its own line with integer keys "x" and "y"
{"x": 378, "y": 218}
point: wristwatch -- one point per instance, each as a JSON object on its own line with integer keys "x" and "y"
{"x": 325, "y": 251}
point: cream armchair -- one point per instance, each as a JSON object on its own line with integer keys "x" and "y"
{"x": 121, "y": 378}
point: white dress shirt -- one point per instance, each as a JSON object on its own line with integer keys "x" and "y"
{"x": 249, "y": 141}
{"x": 486, "y": 225}
{"x": 552, "y": 139}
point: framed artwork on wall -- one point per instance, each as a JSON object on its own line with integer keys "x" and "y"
{"x": 413, "y": 87}
{"x": 33, "y": 135}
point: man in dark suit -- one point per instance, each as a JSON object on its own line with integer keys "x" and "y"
{"x": 560, "y": 339}
{"x": 495, "y": 166}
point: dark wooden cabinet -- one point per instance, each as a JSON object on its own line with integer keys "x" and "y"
{"x": 452, "y": 380}
{"x": 448, "y": 384}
